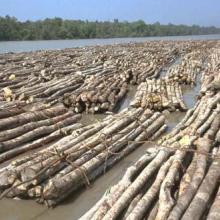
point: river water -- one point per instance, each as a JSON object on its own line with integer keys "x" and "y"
{"x": 20, "y": 46}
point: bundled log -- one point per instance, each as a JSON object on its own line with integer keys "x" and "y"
{"x": 99, "y": 93}
{"x": 186, "y": 71}
{"x": 159, "y": 95}
{"x": 154, "y": 64}
{"x": 48, "y": 75}
{"x": 20, "y": 130}
{"x": 178, "y": 180}
{"x": 95, "y": 79}
{"x": 211, "y": 77}
{"x": 54, "y": 173}
{"x": 187, "y": 57}
{"x": 50, "y": 91}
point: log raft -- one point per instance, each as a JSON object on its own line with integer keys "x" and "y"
{"x": 99, "y": 93}
{"x": 159, "y": 95}
{"x": 176, "y": 154}
{"x": 69, "y": 155}
{"x": 180, "y": 178}
{"x": 19, "y": 132}
{"x": 77, "y": 159}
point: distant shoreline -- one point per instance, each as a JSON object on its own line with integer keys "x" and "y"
{"x": 108, "y": 38}
{"x": 36, "y": 45}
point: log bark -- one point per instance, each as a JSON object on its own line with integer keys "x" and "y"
{"x": 200, "y": 202}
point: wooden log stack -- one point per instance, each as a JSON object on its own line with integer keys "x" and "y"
{"x": 28, "y": 128}
{"x": 180, "y": 179}
{"x": 48, "y": 92}
{"x": 152, "y": 64}
{"x": 100, "y": 93}
{"x": 46, "y": 76}
{"x": 187, "y": 58}
{"x": 186, "y": 71}
{"x": 57, "y": 171}
{"x": 211, "y": 76}
{"x": 63, "y": 156}
{"x": 159, "y": 95}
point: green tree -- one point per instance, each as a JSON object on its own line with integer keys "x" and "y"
{"x": 57, "y": 28}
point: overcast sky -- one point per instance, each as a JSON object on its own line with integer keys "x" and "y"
{"x": 201, "y": 12}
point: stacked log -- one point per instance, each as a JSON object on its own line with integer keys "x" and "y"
{"x": 95, "y": 79}
{"x": 152, "y": 65}
{"x": 57, "y": 171}
{"x": 100, "y": 93}
{"x": 143, "y": 59}
{"x": 178, "y": 180}
{"x": 159, "y": 95}
{"x": 25, "y": 129}
{"x": 186, "y": 71}
{"x": 211, "y": 76}
{"x": 151, "y": 61}
{"x": 31, "y": 90}
{"x": 47, "y": 76}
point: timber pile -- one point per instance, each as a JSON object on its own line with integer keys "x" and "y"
{"x": 50, "y": 91}
{"x": 169, "y": 183}
{"x": 38, "y": 76}
{"x": 48, "y": 75}
{"x": 52, "y": 174}
{"x": 156, "y": 57}
{"x": 152, "y": 58}
{"x": 159, "y": 95}
{"x": 187, "y": 70}
{"x": 30, "y": 127}
{"x": 95, "y": 79}
{"x": 211, "y": 77}
{"x": 142, "y": 60}
{"x": 23, "y": 72}
{"x": 99, "y": 93}
{"x": 180, "y": 179}
{"x": 150, "y": 63}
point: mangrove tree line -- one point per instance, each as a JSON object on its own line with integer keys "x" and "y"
{"x": 57, "y": 28}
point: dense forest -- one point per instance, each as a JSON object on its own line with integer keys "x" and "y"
{"x": 57, "y": 28}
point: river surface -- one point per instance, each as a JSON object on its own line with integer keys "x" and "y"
{"x": 20, "y": 46}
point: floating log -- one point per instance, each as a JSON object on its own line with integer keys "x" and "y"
{"x": 159, "y": 95}
{"x": 186, "y": 171}
{"x": 72, "y": 160}
{"x": 167, "y": 182}
{"x": 98, "y": 94}
{"x": 34, "y": 123}
{"x": 186, "y": 71}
